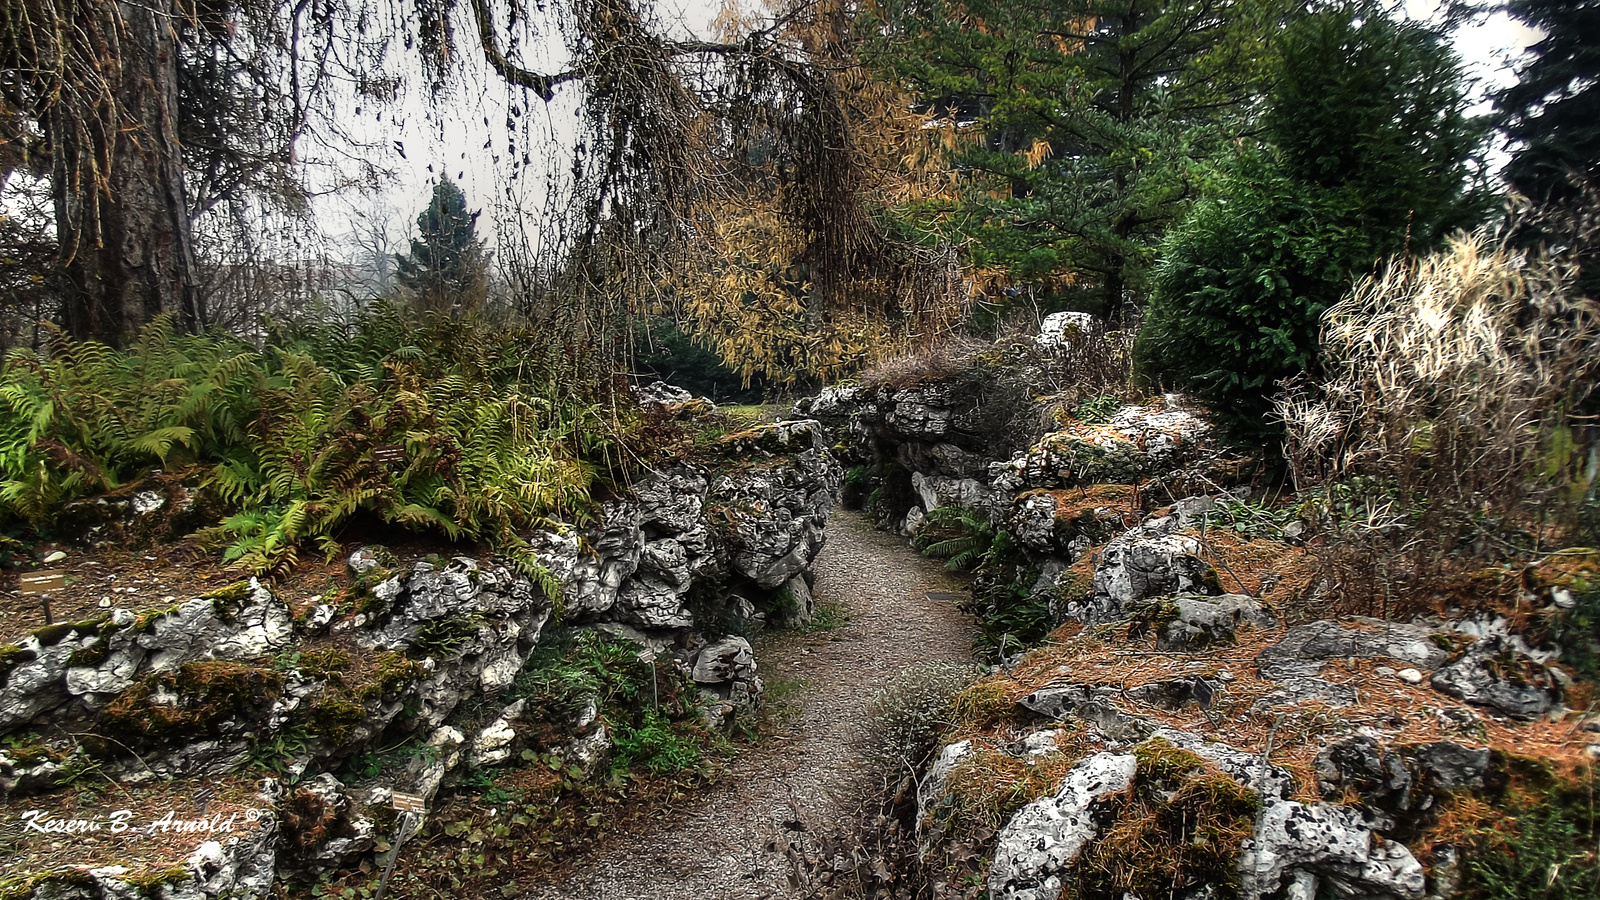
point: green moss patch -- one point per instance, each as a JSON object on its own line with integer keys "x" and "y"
{"x": 1181, "y": 826}
{"x": 204, "y": 696}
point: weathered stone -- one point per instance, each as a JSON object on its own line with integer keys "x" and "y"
{"x": 371, "y": 558}
{"x": 1303, "y": 648}
{"x": 942, "y": 490}
{"x": 932, "y": 787}
{"x": 1295, "y": 691}
{"x": 1332, "y": 842}
{"x": 1192, "y": 623}
{"x": 794, "y": 607}
{"x": 1249, "y": 769}
{"x": 1092, "y": 705}
{"x": 493, "y": 743}
{"x": 1478, "y": 678}
{"x": 726, "y": 660}
{"x": 1151, "y": 560}
{"x": 1037, "y": 845}
{"x": 1059, "y": 329}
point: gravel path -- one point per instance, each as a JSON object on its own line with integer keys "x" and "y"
{"x": 715, "y": 852}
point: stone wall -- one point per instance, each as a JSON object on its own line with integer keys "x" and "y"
{"x": 695, "y": 561}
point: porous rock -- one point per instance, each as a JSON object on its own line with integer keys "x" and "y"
{"x": 1037, "y": 845}
{"x": 1494, "y": 673}
{"x": 1332, "y": 842}
{"x": 1302, "y": 649}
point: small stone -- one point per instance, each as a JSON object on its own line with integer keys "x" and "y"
{"x": 105, "y": 602}
{"x": 1384, "y": 671}
{"x": 1561, "y": 597}
{"x": 146, "y": 502}
{"x": 55, "y": 557}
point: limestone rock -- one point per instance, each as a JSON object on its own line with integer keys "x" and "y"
{"x": 1034, "y": 849}
{"x": 932, "y": 787}
{"x": 1151, "y": 560}
{"x": 1403, "y": 781}
{"x": 1090, "y": 704}
{"x": 1059, "y": 328}
{"x": 1192, "y": 623}
{"x": 493, "y": 743}
{"x": 1332, "y": 842}
{"x": 1303, "y": 648}
{"x": 775, "y": 516}
{"x": 1479, "y": 677}
{"x": 943, "y": 490}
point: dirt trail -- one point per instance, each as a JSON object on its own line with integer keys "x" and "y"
{"x": 714, "y": 852}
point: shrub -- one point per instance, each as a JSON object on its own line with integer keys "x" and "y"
{"x": 910, "y": 710}
{"x": 1445, "y": 430}
{"x": 1368, "y": 157}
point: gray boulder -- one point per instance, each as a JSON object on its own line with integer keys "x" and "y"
{"x": 1496, "y": 674}
{"x": 1330, "y": 843}
{"x": 1192, "y": 623}
{"x": 1302, "y": 649}
{"x": 1151, "y": 560}
{"x": 1037, "y": 845}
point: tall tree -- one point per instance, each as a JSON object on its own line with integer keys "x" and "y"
{"x": 1094, "y": 116}
{"x": 447, "y": 266}
{"x": 130, "y": 128}
{"x": 1553, "y": 111}
{"x": 149, "y": 114}
{"x": 1369, "y": 154}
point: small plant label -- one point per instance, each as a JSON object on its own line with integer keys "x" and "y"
{"x": 412, "y": 803}
{"x": 42, "y": 582}
{"x": 946, "y": 597}
{"x": 389, "y": 453}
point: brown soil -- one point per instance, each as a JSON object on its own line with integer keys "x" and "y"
{"x": 817, "y": 775}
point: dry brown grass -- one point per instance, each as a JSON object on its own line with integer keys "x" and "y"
{"x": 1446, "y": 429}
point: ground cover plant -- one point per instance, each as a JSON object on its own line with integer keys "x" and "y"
{"x": 433, "y": 425}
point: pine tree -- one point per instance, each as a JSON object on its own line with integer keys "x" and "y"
{"x": 445, "y": 271}
{"x": 1369, "y": 155}
{"x": 1554, "y": 108}
{"x": 1095, "y": 117}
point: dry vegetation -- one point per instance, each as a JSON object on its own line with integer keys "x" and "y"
{"x": 1451, "y": 429}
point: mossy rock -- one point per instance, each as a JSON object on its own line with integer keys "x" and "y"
{"x": 394, "y": 672}
{"x": 196, "y": 700}
{"x": 1183, "y": 825}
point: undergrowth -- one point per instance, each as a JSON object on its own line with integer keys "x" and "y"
{"x": 434, "y": 425}
{"x": 1011, "y": 617}
{"x": 1543, "y": 841}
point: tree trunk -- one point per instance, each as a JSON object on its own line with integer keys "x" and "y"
{"x": 121, "y": 209}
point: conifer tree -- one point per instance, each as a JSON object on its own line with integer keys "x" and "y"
{"x": 445, "y": 271}
{"x": 1553, "y": 110}
{"x": 1370, "y": 154}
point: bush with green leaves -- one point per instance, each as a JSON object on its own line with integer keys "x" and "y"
{"x": 1010, "y": 615}
{"x": 1368, "y": 155}
{"x": 492, "y": 437}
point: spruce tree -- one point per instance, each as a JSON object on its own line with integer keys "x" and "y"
{"x": 446, "y": 267}
{"x": 1553, "y": 111}
{"x": 1369, "y": 154}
